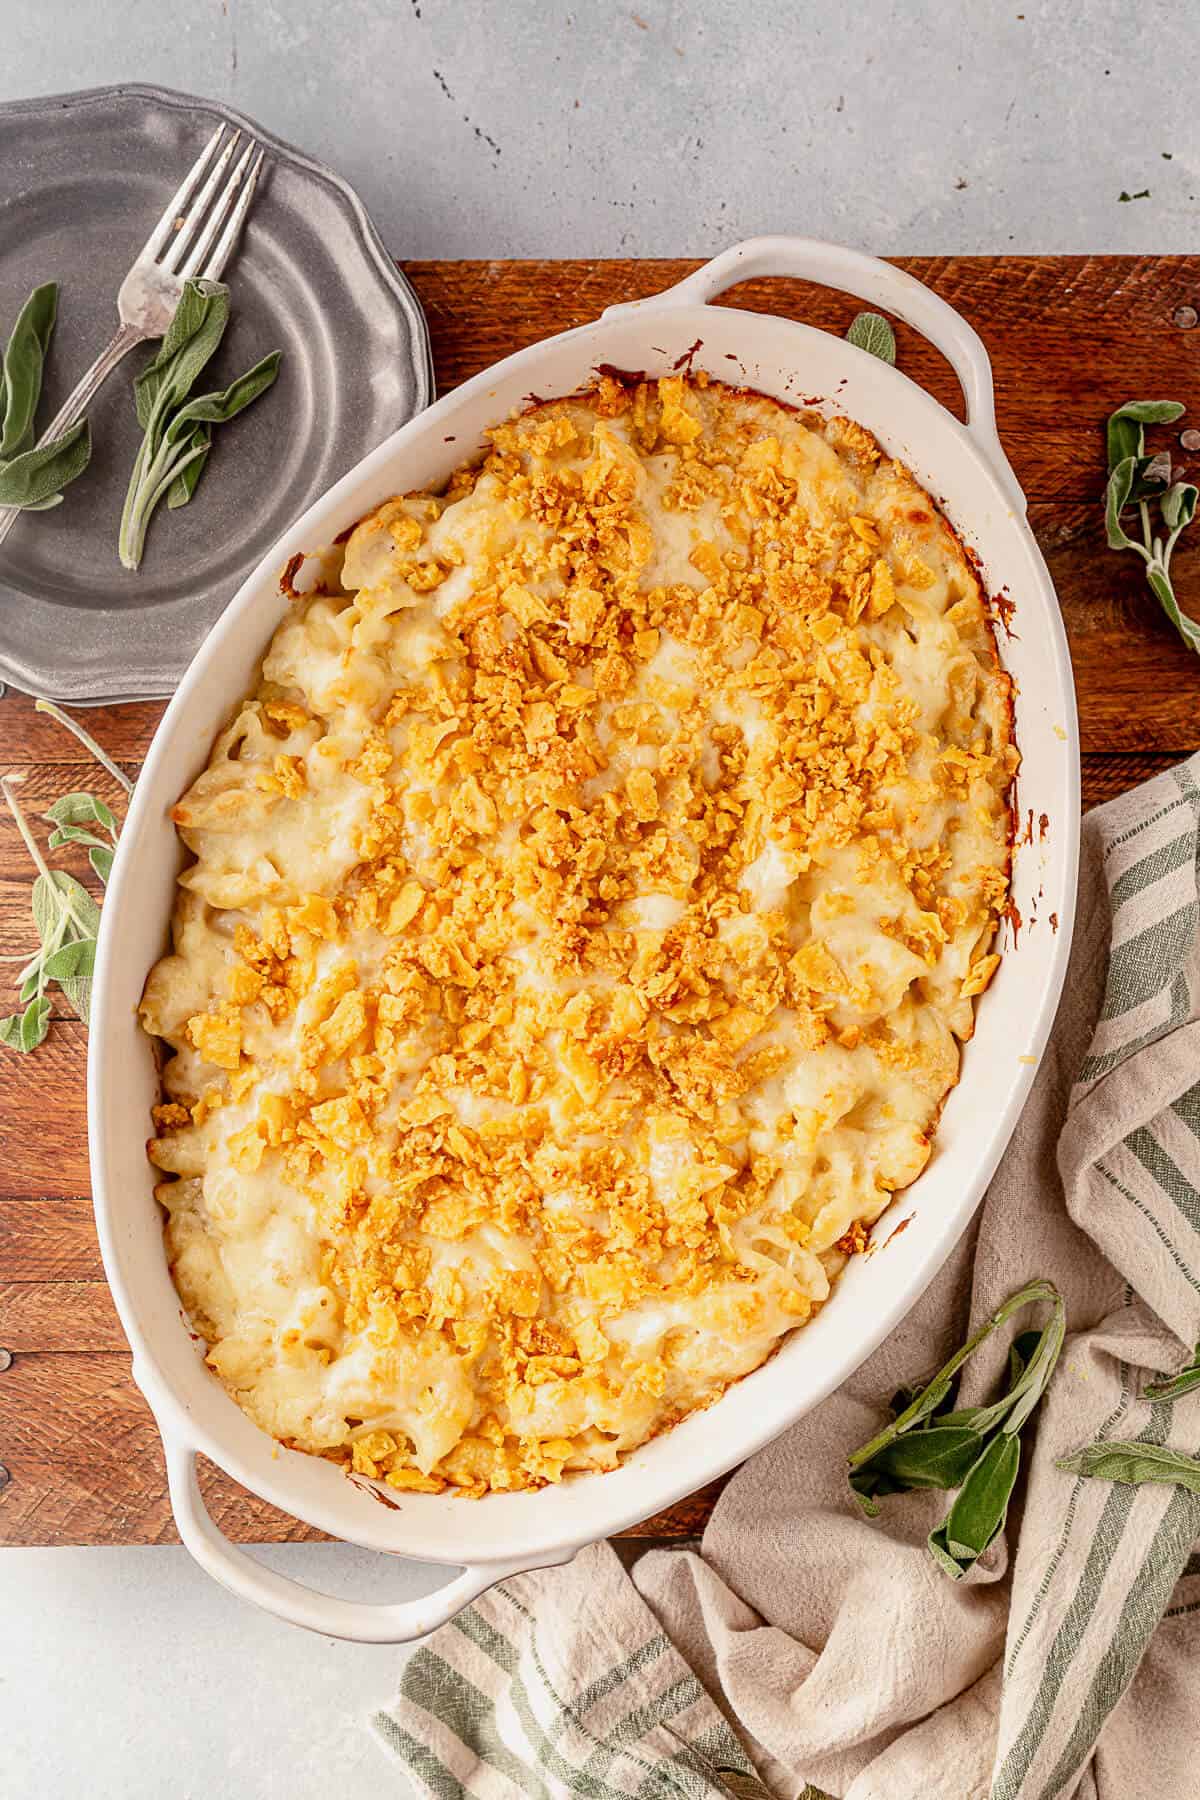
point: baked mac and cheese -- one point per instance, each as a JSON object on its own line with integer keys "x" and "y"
{"x": 584, "y": 917}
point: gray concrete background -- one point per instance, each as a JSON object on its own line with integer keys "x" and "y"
{"x": 483, "y": 129}
{"x": 659, "y": 127}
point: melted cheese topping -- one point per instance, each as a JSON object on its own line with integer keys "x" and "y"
{"x": 584, "y": 915}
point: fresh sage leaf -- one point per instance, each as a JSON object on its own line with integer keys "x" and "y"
{"x": 72, "y": 817}
{"x": 1186, "y": 1382}
{"x": 217, "y": 409}
{"x": 185, "y": 485}
{"x": 162, "y": 474}
{"x": 102, "y": 862}
{"x": 65, "y": 916}
{"x": 1164, "y": 593}
{"x": 980, "y": 1508}
{"x": 76, "y": 957}
{"x": 35, "y": 1023}
{"x": 1125, "y": 438}
{"x": 188, "y": 344}
{"x": 1132, "y": 1465}
{"x": 35, "y": 478}
{"x": 47, "y": 912}
{"x": 1120, "y": 482}
{"x": 1150, "y": 412}
{"x": 871, "y": 332}
{"x": 32, "y": 476}
{"x": 1145, "y": 481}
{"x": 78, "y": 990}
{"x": 932, "y": 1396}
{"x": 67, "y": 919}
{"x": 934, "y": 1456}
{"x": 82, "y": 809}
{"x": 24, "y": 361}
{"x": 178, "y": 432}
{"x": 1125, "y": 430}
{"x": 60, "y": 898}
{"x": 190, "y": 432}
{"x": 1178, "y": 505}
{"x": 75, "y": 834}
{"x": 974, "y": 1449}
{"x": 1183, "y": 1382}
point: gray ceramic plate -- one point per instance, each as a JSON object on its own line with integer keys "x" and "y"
{"x": 85, "y": 177}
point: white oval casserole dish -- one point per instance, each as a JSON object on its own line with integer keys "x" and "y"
{"x": 965, "y": 470}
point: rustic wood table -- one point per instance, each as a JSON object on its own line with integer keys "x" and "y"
{"x": 1070, "y": 338}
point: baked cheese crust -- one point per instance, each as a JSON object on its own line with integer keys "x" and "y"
{"x": 585, "y": 915}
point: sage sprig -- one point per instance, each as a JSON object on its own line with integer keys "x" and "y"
{"x": 34, "y": 481}
{"x": 66, "y": 920}
{"x": 65, "y": 916}
{"x": 177, "y": 432}
{"x": 1132, "y": 1465}
{"x": 33, "y": 476}
{"x": 1141, "y": 480}
{"x": 1181, "y": 1383}
{"x": 74, "y": 817}
{"x": 975, "y": 1449}
{"x": 871, "y": 332}
{"x": 21, "y": 374}
{"x": 84, "y": 818}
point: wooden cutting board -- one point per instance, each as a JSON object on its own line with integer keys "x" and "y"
{"x": 1070, "y": 338}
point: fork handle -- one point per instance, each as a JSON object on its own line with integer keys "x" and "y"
{"x": 77, "y": 401}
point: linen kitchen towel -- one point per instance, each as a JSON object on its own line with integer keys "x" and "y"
{"x": 808, "y": 1651}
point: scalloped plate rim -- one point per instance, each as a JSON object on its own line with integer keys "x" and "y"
{"x": 159, "y": 676}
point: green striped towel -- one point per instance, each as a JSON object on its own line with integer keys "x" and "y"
{"x": 805, "y": 1651}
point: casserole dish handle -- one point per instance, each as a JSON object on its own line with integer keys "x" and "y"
{"x": 867, "y": 278}
{"x": 361, "y": 1621}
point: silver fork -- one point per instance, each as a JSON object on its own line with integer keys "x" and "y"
{"x": 195, "y": 236}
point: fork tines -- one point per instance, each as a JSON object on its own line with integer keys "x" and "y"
{"x": 212, "y": 199}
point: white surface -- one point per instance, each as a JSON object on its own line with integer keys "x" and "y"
{"x": 673, "y": 127}
{"x": 129, "y": 1674}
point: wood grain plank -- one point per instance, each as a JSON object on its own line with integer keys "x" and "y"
{"x": 1070, "y": 338}
{"x": 1078, "y": 316}
{"x": 1104, "y": 777}
{"x": 687, "y": 1518}
{"x": 1136, "y": 682}
{"x": 1103, "y": 325}
{"x": 85, "y": 1465}
{"x": 39, "y": 1316}
{"x": 43, "y": 1117}
{"x": 28, "y": 736}
{"x": 48, "y": 1240}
